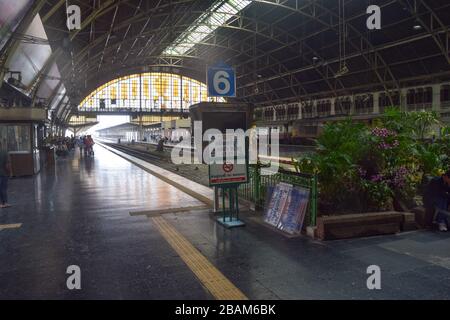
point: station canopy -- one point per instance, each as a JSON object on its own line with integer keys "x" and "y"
{"x": 282, "y": 50}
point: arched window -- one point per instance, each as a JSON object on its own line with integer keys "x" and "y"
{"x": 149, "y": 91}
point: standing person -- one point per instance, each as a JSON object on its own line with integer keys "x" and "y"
{"x": 91, "y": 144}
{"x": 85, "y": 145}
{"x": 82, "y": 145}
{"x": 72, "y": 142}
{"x": 5, "y": 173}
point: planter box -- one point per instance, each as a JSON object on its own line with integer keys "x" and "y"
{"x": 363, "y": 225}
{"x": 424, "y": 217}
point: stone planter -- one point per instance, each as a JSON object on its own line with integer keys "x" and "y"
{"x": 424, "y": 217}
{"x": 363, "y": 225}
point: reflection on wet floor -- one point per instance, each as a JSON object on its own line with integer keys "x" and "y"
{"x": 78, "y": 214}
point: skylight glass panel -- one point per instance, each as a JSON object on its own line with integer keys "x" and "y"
{"x": 215, "y": 17}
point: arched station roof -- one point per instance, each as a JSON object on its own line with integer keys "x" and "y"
{"x": 283, "y": 50}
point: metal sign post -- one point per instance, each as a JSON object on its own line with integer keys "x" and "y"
{"x": 216, "y": 207}
{"x": 230, "y": 217}
{"x": 227, "y": 177}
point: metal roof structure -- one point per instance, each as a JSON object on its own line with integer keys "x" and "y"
{"x": 283, "y": 50}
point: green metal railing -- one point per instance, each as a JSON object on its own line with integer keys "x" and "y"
{"x": 256, "y": 189}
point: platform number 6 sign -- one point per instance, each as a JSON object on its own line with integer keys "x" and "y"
{"x": 221, "y": 80}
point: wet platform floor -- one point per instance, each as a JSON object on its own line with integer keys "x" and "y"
{"x": 78, "y": 214}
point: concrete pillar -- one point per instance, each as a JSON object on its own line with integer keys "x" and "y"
{"x": 141, "y": 129}
{"x": 437, "y": 98}
{"x": 403, "y": 99}
{"x": 314, "y": 110}
{"x": 376, "y": 103}
{"x": 333, "y": 106}
{"x": 274, "y": 114}
{"x": 352, "y": 105}
{"x": 300, "y": 113}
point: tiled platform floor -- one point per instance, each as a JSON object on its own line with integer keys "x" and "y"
{"x": 78, "y": 214}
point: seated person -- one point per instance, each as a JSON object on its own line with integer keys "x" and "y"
{"x": 437, "y": 197}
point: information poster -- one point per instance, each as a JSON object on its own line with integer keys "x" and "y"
{"x": 286, "y": 207}
{"x": 292, "y": 219}
{"x": 276, "y": 204}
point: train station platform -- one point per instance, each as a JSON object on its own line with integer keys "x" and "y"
{"x": 78, "y": 213}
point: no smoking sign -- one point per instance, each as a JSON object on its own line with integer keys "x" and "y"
{"x": 227, "y": 173}
{"x": 228, "y": 167}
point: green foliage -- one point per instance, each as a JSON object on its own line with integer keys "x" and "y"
{"x": 377, "y": 194}
{"x": 423, "y": 123}
{"x": 445, "y": 132}
{"x": 415, "y": 125}
{"x": 362, "y": 168}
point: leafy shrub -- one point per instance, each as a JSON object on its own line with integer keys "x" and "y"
{"x": 362, "y": 168}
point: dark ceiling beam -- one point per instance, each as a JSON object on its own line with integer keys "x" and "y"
{"x": 279, "y": 39}
{"x": 363, "y": 71}
{"x": 12, "y": 44}
{"x": 272, "y": 33}
{"x": 54, "y": 93}
{"x": 374, "y": 61}
{"x": 136, "y": 11}
{"x": 311, "y": 14}
{"x": 53, "y": 10}
{"x": 124, "y": 24}
{"x": 309, "y": 67}
{"x": 108, "y": 37}
{"x": 278, "y": 35}
{"x": 161, "y": 31}
{"x": 356, "y": 54}
{"x": 315, "y": 53}
{"x": 103, "y": 9}
{"x": 56, "y": 110}
{"x": 443, "y": 45}
{"x": 41, "y": 76}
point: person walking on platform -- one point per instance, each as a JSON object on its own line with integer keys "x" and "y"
{"x": 82, "y": 145}
{"x": 5, "y": 173}
{"x": 89, "y": 144}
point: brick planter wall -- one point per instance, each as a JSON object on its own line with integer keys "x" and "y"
{"x": 363, "y": 225}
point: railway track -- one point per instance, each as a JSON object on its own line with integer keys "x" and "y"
{"x": 143, "y": 155}
{"x": 283, "y": 160}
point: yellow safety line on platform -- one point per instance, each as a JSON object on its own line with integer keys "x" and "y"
{"x": 10, "y": 226}
{"x": 158, "y": 212}
{"x": 216, "y": 283}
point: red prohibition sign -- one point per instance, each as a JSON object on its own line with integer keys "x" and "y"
{"x": 227, "y": 167}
